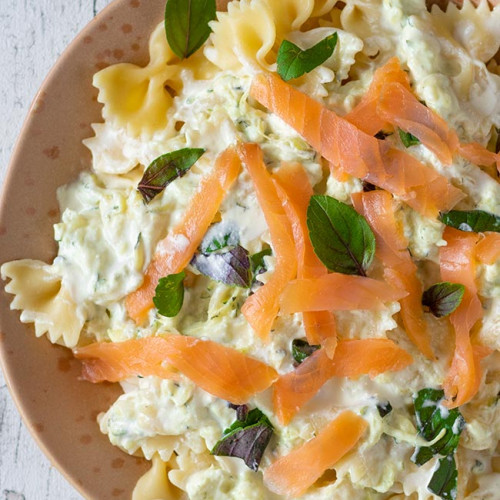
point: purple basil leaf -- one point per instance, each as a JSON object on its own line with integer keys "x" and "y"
{"x": 165, "y": 169}
{"x": 246, "y": 439}
{"x": 231, "y": 266}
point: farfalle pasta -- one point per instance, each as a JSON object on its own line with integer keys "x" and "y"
{"x": 258, "y": 357}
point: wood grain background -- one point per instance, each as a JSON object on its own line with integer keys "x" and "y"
{"x": 33, "y": 33}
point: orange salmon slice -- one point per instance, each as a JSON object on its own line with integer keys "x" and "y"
{"x": 458, "y": 265}
{"x": 357, "y": 153}
{"x": 175, "y": 251}
{"x": 337, "y": 292}
{"x": 294, "y": 473}
{"x": 295, "y": 191}
{"x": 222, "y": 371}
{"x": 365, "y": 115}
{"x": 400, "y": 271}
{"x": 488, "y": 248}
{"x": 352, "y": 359}
{"x": 261, "y": 308}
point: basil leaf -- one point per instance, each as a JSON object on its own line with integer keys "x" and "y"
{"x": 432, "y": 418}
{"x": 301, "y": 350}
{"x": 444, "y": 481}
{"x": 294, "y": 62}
{"x": 257, "y": 261}
{"x": 169, "y": 294}
{"x": 384, "y": 408}
{"x": 230, "y": 266}
{"x": 443, "y": 298}
{"x": 246, "y": 439}
{"x": 342, "y": 239}
{"x": 408, "y": 139}
{"x": 186, "y": 24}
{"x": 165, "y": 169}
{"x": 476, "y": 221}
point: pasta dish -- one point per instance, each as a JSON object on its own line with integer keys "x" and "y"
{"x": 287, "y": 252}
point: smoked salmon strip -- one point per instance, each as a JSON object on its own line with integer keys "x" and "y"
{"x": 175, "y": 251}
{"x": 294, "y": 473}
{"x": 356, "y": 152}
{"x": 365, "y": 115}
{"x": 458, "y": 265}
{"x": 399, "y": 106}
{"x": 295, "y": 191}
{"x": 337, "y": 292}
{"x": 261, "y": 308}
{"x": 352, "y": 359}
{"x": 479, "y": 155}
{"x": 221, "y": 371}
{"x": 399, "y": 269}
{"x": 488, "y": 248}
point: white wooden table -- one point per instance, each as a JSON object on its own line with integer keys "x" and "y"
{"x": 33, "y": 33}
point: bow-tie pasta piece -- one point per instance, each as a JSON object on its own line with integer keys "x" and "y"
{"x": 43, "y": 300}
{"x": 243, "y": 36}
{"x": 136, "y": 98}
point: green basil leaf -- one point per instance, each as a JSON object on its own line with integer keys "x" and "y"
{"x": 384, "y": 408}
{"x": 432, "y": 418}
{"x": 342, "y": 239}
{"x": 408, "y": 139}
{"x": 169, "y": 294}
{"x": 230, "y": 266}
{"x": 443, "y": 298}
{"x": 476, "y": 221}
{"x": 246, "y": 439}
{"x": 258, "y": 263}
{"x": 301, "y": 350}
{"x": 444, "y": 481}
{"x": 165, "y": 169}
{"x": 294, "y": 62}
{"x": 186, "y": 24}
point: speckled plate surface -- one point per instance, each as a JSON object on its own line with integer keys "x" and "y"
{"x": 59, "y": 410}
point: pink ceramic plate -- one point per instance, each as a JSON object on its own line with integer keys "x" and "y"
{"x": 59, "y": 410}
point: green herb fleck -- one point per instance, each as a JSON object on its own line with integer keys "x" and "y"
{"x": 301, "y": 350}
{"x": 444, "y": 481}
{"x": 408, "y": 139}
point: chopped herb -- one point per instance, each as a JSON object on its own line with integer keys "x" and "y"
{"x": 186, "y": 24}
{"x": 302, "y": 350}
{"x": 294, "y": 62}
{"x": 381, "y": 135}
{"x": 476, "y": 221}
{"x": 342, "y": 239}
{"x": 246, "y": 439}
{"x": 169, "y": 294}
{"x": 408, "y": 139}
{"x": 384, "y": 408}
{"x": 368, "y": 186}
{"x": 221, "y": 236}
{"x": 444, "y": 481}
{"x": 258, "y": 263}
{"x": 230, "y": 266}
{"x": 165, "y": 169}
{"x": 443, "y": 298}
{"x": 432, "y": 419}
{"x": 241, "y": 411}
